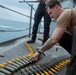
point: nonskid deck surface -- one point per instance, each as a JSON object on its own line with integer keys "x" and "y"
{"x": 13, "y": 50}
{"x": 20, "y": 49}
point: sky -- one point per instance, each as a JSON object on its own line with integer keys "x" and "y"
{"x": 23, "y": 8}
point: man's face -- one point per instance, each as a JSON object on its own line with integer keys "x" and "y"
{"x": 53, "y": 12}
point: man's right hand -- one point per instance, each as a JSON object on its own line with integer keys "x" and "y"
{"x": 36, "y": 56}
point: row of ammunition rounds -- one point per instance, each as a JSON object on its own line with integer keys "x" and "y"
{"x": 43, "y": 69}
{"x": 14, "y": 65}
{"x": 49, "y": 68}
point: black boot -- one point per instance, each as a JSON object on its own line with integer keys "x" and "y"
{"x": 32, "y": 40}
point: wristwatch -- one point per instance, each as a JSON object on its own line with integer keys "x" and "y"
{"x": 40, "y": 52}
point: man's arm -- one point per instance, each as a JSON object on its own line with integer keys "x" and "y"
{"x": 57, "y": 34}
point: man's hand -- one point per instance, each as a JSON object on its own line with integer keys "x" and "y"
{"x": 37, "y": 55}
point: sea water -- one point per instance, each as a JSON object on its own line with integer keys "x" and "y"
{"x": 13, "y": 29}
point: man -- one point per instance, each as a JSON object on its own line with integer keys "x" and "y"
{"x": 65, "y": 28}
{"x": 40, "y": 12}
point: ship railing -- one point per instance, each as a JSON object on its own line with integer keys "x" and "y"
{"x": 30, "y": 16}
{"x": 30, "y": 26}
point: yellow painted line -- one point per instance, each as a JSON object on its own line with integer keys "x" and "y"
{"x": 31, "y": 50}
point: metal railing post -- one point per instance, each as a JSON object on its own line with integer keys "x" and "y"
{"x": 39, "y": 27}
{"x": 30, "y": 20}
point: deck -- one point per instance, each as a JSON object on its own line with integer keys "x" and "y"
{"x": 20, "y": 48}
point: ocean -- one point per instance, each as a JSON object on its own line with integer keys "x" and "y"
{"x": 13, "y": 29}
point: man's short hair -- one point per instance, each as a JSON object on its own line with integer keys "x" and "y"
{"x": 52, "y": 3}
